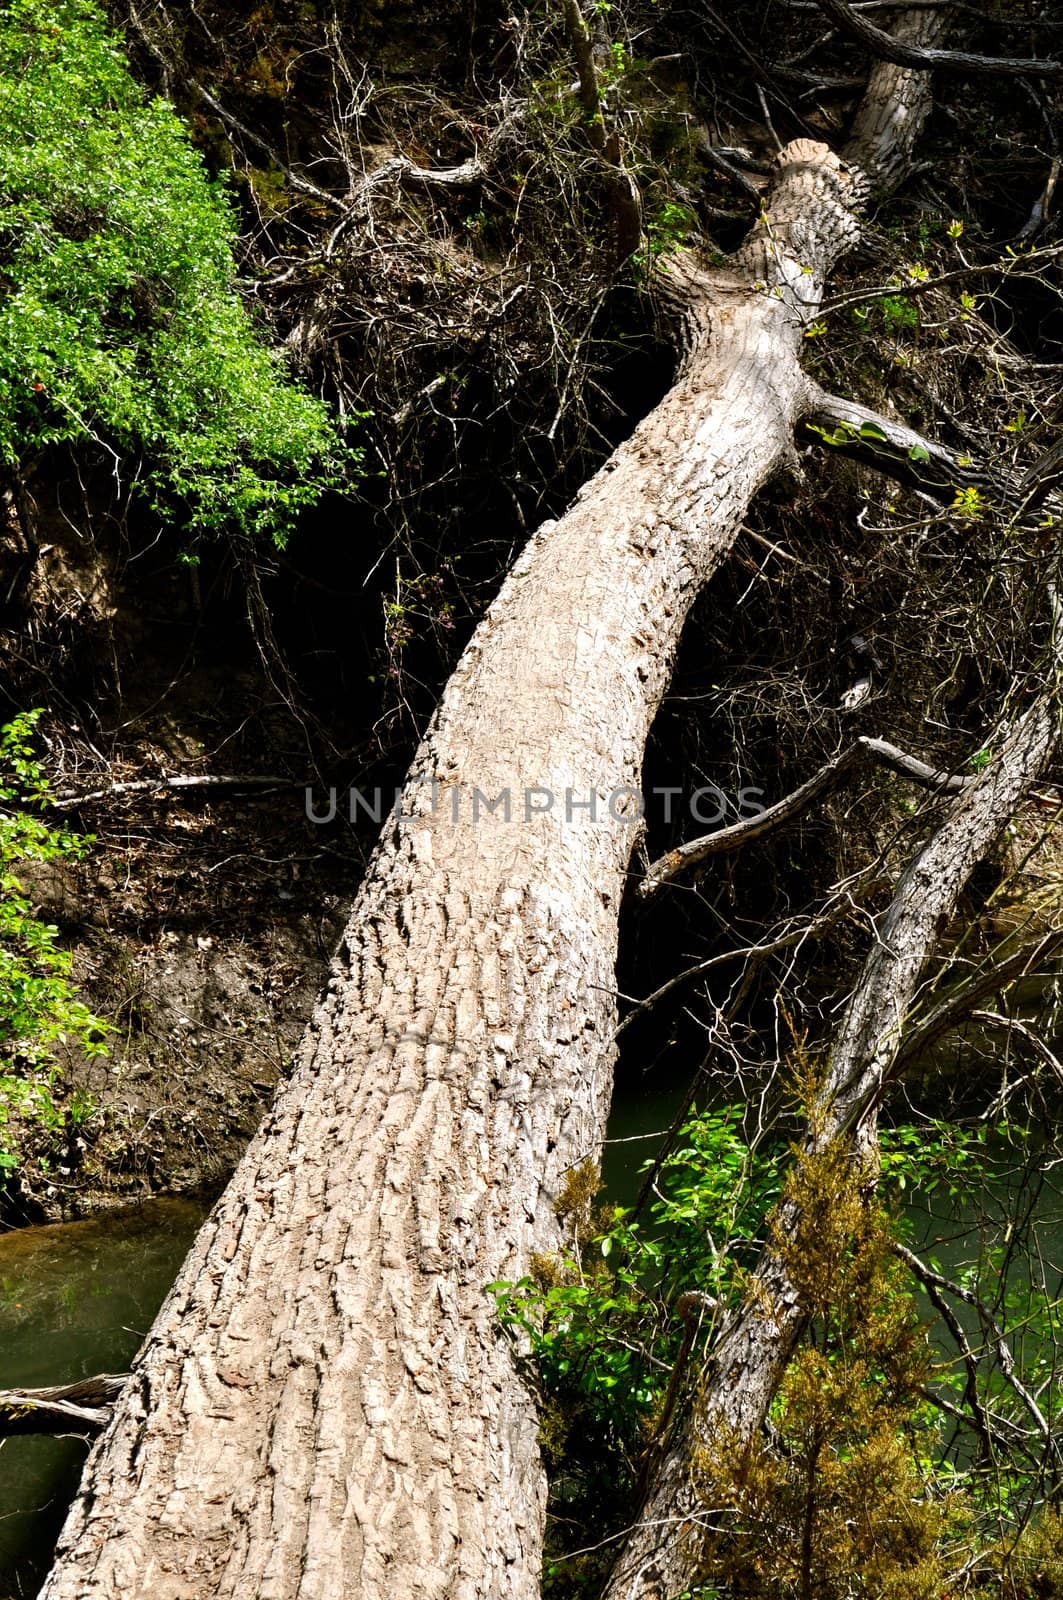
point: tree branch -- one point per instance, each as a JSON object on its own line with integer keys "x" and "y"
{"x": 87, "y": 1402}
{"x": 66, "y": 802}
{"x": 813, "y": 928}
{"x": 1006, "y": 266}
{"x": 935, "y": 1284}
{"x": 887, "y": 47}
{"x": 892, "y": 447}
{"x": 590, "y": 92}
{"x": 976, "y": 1412}
{"x": 961, "y": 1003}
{"x": 830, "y": 775}
{"x": 993, "y": 1019}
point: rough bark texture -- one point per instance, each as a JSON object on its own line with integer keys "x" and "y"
{"x": 324, "y": 1407}
{"x": 664, "y": 1555}
{"x": 898, "y": 101}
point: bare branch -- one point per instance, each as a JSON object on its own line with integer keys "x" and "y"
{"x": 1014, "y": 264}
{"x": 866, "y": 1051}
{"x": 976, "y": 1412}
{"x": 57, "y": 1409}
{"x": 888, "y": 47}
{"x": 829, "y": 776}
{"x": 66, "y": 802}
{"x": 811, "y": 928}
{"x": 993, "y": 1019}
{"x": 722, "y": 159}
{"x": 960, "y": 1005}
{"x": 935, "y": 1284}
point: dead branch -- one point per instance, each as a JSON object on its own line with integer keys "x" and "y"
{"x": 961, "y": 1005}
{"x": 1010, "y": 1025}
{"x": 807, "y": 928}
{"x": 976, "y": 1411}
{"x": 721, "y": 159}
{"x": 888, "y": 47}
{"x": 87, "y": 1402}
{"x": 229, "y": 120}
{"x": 66, "y": 802}
{"x": 936, "y": 1285}
{"x": 830, "y": 775}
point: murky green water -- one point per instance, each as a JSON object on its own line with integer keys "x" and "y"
{"x": 75, "y": 1299}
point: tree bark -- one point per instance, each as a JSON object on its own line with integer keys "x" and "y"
{"x": 324, "y": 1407}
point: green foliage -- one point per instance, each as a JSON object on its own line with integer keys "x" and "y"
{"x": 898, "y": 313}
{"x": 859, "y": 1490}
{"x": 894, "y": 312}
{"x": 668, "y": 229}
{"x": 846, "y": 434}
{"x": 39, "y": 1008}
{"x": 120, "y": 320}
{"x": 596, "y": 1317}
{"x": 937, "y": 1157}
{"x": 597, "y": 1321}
{"x": 968, "y": 505}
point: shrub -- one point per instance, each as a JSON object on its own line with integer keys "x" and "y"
{"x": 120, "y": 317}
{"x": 39, "y": 1007}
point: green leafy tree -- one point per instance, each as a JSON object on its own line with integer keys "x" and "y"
{"x": 39, "y": 1006}
{"x": 120, "y": 317}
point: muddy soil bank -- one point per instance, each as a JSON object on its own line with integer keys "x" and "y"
{"x": 202, "y": 918}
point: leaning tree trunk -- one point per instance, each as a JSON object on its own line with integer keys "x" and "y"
{"x": 665, "y": 1553}
{"x": 324, "y": 1406}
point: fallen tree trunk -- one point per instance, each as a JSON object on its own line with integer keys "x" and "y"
{"x": 324, "y": 1406}
{"x": 664, "y": 1555}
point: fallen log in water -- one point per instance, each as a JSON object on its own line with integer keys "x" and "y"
{"x": 63, "y": 1408}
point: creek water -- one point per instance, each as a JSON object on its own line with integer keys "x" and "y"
{"x": 75, "y": 1299}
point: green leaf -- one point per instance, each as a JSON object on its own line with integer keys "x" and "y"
{"x": 121, "y": 320}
